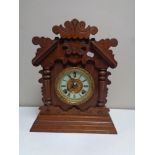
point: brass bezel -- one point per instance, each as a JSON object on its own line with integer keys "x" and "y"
{"x": 83, "y": 99}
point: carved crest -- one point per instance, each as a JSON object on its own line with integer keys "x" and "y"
{"x": 75, "y": 29}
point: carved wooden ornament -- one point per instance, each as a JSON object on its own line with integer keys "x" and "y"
{"x": 74, "y": 80}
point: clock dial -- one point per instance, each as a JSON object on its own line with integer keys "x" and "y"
{"x": 74, "y": 86}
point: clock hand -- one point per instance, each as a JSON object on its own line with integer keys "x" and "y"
{"x": 70, "y": 77}
{"x": 74, "y": 73}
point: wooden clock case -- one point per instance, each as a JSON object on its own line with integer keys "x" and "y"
{"x": 74, "y": 48}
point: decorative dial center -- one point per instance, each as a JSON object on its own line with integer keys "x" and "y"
{"x": 74, "y": 86}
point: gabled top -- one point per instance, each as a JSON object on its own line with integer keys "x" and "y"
{"x": 46, "y": 46}
{"x": 75, "y": 29}
{"x": 102, "y": 47}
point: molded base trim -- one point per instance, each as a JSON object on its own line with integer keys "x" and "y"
{"x": 74, "y": 124}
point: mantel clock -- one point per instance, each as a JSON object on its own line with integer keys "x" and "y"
{"x": 74, "y": 80}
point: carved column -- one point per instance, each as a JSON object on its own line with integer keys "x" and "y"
{"x": 41, "y": 81}
{"x": 102, "y": 87}
{"x": 47, "y": 86}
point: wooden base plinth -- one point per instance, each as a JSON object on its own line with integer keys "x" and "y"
{"x": 73, "y": 123}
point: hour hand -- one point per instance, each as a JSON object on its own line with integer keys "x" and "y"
{"x": 70, "y": 77}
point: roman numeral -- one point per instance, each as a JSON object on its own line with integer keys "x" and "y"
{"x": 80, "y": 95}
{"x": 85, "y": 86}
{"x": 63, "y": 85}
{"x": 68, "y": 94}
{"x": 83, "y": 92}
{"x": 74, "y": 74}
{"x": 65, "y": 91}
{"x": 84, "y": 80}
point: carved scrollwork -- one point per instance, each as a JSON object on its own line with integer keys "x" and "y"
{"x": 45, "y": 45}
{"x": 75, "y": 29}
{"x": 103, "y": 48}
{"x": 43, "y": 42}
{"x": 108, "y": 81}
{"x": 107, "y": 43}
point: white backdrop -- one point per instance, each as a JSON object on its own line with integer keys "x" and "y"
{"x": 114, "y": 19}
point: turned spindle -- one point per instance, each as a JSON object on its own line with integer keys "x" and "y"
{"x": 102, "y": 88}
